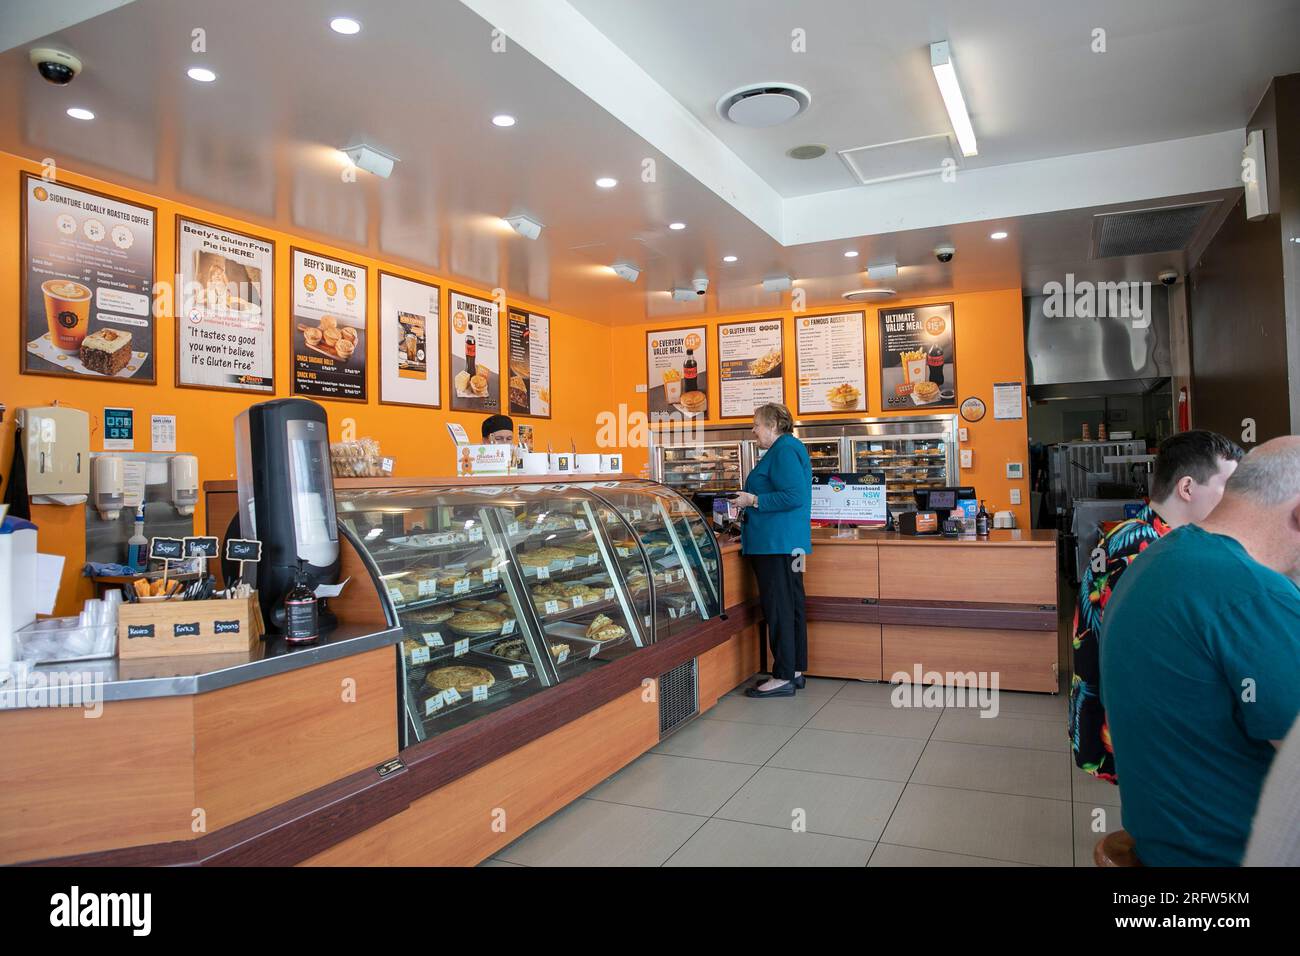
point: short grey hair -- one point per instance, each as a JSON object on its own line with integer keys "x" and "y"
{"x": 1268, "y": 476}
{"x": 777, "y": 416}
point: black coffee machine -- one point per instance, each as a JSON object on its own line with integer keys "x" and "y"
{"x": 286, "y": 499}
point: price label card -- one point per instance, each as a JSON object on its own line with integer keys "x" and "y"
{"x": 551, "y": 607}
{"x": 578, "y": 601}
{"x": 462, "y": 586}
{"x": 508, "y": 627}
{"x": 543, "y": 573}
{"x": 386, "y": 465}
{"x": 396, "y": 595}
{"x": 512, "y": 528}
{"x": 420, "y": 655}
{"x": 672, "y": 611}
{"x": 461, "y": 647}
{"x": 580, "y": 524}
{"x": 563, "y": 656}
{"x": 624, "y": 552}
{"x": 433, "y": 638}
{"x": 518, "y": 670}
{"x": 433, "y": 705}
{"x": 595, "y": 649}
{"x": 491, "y": 574}
{"x": 636, "y": 514}
{"x": 609, "y": 594}
{"x": 591, "y": 559}
{"x": 476, "y": 534}
{"x": 428, "y": 587}
{"x": 480, "y": 692}
{"x": 451, "y": 695}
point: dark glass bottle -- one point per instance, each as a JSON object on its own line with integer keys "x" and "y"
{"x": 471, "y": 356}
{"x": 690, "y": 373}
{"x": 301, "y": 616}
{"x": 934, "y": 359}
{"x": 982, "y": 521}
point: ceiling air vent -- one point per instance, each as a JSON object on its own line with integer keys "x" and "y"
{"x": 764, "y": 104}
{"x": 1141, "y": 231}
{"x": 902, "y": 159}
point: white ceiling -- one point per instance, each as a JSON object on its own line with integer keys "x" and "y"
{"x": 422, "y": 81}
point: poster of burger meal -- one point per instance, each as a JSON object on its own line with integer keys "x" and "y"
{"x": 918, "y": 357}
{"x": 475, "y": 353}
{"x": 677, "y": 383}
{"x": 329, "y": 327}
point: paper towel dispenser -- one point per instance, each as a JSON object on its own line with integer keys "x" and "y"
{"x": 56, "y": 441}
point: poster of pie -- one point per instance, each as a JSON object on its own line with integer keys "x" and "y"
{"x": 86, "y": 294}
{"x": 475, "y": 353}
{"x": 328, "y": 309}
{"x": 225, "y": 334}
{"x": 918, "y": 357}
{"x": 529, "y": 386}
{"x": 677, "y": 383}
{"x": 410, "y": 342}
{"x": 831, "y": 362}
{"x": 751, "y": 366}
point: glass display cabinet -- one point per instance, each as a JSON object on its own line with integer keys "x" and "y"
{"x": 712, "y": 466}
{"x": 506, "y": 590}
{"x": 908, "y": 462}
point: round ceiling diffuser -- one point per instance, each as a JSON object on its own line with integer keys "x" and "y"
{"x": 808, "y": 151}
{"x": 764, "y": 104}
{"x": 858, "y": 294}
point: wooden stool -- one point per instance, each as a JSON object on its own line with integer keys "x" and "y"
{"x": 1116, "y": 849}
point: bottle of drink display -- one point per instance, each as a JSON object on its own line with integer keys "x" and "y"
{"x": 982, "y": 521}
{"x": 934, "y": 360}
{"x": 301, "y": 613}
{"x": 471, "y": 356}
{"x": 690, "y": 373}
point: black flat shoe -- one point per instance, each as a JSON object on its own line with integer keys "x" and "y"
{"x": 800, "y": 683}
{"x": 785, "y": 690}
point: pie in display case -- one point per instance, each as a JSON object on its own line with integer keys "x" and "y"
{"x": 506, "y": 590}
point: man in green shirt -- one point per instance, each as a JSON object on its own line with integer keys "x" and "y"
{"x": 1200, "y": 663}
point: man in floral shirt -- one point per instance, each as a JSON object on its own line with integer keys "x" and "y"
{"x": 1186, "y": 485}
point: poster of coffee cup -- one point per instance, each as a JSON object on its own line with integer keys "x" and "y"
{"x": 410, "y": 363}
{"x": 751, "y": 367}
{"x": 528, "y": 388}
{"x": 86, "y": 294}
{"x": 475, "y": 349}
{"x": 918, "y": 357}
{"x": 328, "y": 312}
{"x": 225, "y": 336}
{"x": 677, "y": 381}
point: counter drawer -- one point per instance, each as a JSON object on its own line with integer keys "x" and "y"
{"x": 1024, "y": 660}
{"x": 839, "y": 649}
{"x": 1010, "y": 575}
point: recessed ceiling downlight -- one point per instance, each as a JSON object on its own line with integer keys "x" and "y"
{"x": 76, "y": 112}
{"x": 764, "y": 104}
{"x": 807, "y": 151}
{"x": 201, "y": 74}
{"x": 345, "y": 25}
{"x": 858, "y": 295}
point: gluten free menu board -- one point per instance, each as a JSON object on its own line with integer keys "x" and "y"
{"x": 529, "y": 388}
{"x": 750, "y": 367}
{"x": 225, "y": 337}
{"x": 475, "y": 353}
{"x": 677, "y": 373}
{"x": 832, "y": 363}
{"x": 329, "y": 327}
{"x": 87, "y": 283}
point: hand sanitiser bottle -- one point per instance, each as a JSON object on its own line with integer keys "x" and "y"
{"x": 137, "y": 546}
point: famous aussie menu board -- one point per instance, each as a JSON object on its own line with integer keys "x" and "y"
{"x": 475, "y": 353}
{"x": 329, "y": 327}
{"x": 831, "y": 360}
{"x": 87, "y": 284}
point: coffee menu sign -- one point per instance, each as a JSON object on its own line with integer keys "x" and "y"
{"x": 475, "y": 353}
{"x": 410, "y": 340}
{"x": 831, "y": 362}
{"x": 529, "y": 385}
{"x": 677, "y": 373}
{"x": 87, "y": 281}
{"x": 225, "y": 334}
{"x": 751, "y": 367}
{"x": 329, "y": 327}
{"x": 918, "y": 357}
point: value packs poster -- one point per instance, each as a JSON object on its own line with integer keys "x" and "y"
{"x": 329, "y": 327}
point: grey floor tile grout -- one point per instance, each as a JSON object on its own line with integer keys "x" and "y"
{"x": 907, "y": 783}
{"x": 642, "y": 806}
{"x": 970, "y": 856}
{"x": 1000, "y": 793}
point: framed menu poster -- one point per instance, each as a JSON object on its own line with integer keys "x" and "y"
{"x": 225, "y": 333}
{"x": 918, "y": 357}
{"x": 831, "y": 362}
{"x": 677, "y": 373}
{"x": 410, "y": 337}
{"x": 751, "y": 366}
{"x": 328, "y": 309}
{"x": 86, "y": 287}
{"x": 529, "y": 351}
{"x": 475, "y": 353}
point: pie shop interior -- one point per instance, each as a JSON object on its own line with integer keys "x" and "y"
{"x": 568, "y": 636}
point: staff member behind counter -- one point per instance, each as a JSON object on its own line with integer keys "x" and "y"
{"x": 498, "y": 430}
{"x": 777, "y": 525}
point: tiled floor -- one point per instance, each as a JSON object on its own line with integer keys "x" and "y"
{"x": 838, "y": 776}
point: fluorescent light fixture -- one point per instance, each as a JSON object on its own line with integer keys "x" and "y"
{"x": 851, "y": 254}
{"x": 76, "y": 112}
{"x": 625, "y": 270}
{"x": 345, "y": 25}
{"x": 370, "y": 159}
{"x": 503, "y": 120}
{"x": 676, "y": 226}
{"x": 777, "y": 283}
{"x": 882, "y": 270}
{"x": 997, "y": 235}
{"x": 606, "y": 182}
{"x": 201, "y": 74}
{"x": 950, "y": 89}
{"x": 729, "y": 258}
{"x": 525, "y": 226}
{"x": 684, "y": 295}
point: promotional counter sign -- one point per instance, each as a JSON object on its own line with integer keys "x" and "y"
{"x": 475, "y": 353}
{"x": 225, "y": 333}
{"x": 851, "y": 499}
{"x": 529, "y": 387}
{"x": 410, "y": 336}
{"x": 677, "y": 365}
{"x": 751, "y": 366}
{"x": 328, "y": 313}
{"x": 86, "y": 295}
{"x": 831, "y": 362}
{"x": 918, "y": 357}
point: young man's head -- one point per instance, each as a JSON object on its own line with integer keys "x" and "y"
{"x": 1190, "y": 471}
{"x": 1261, "y": 505}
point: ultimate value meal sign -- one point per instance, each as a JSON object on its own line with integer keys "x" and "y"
{"x": 918, "y": 357}
{"x": 329, "y": 327}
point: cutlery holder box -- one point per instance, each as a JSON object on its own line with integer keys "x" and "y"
{"x": 171, "y": 628}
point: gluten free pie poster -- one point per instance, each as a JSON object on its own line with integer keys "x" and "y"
{"x": 87, "y": 283}
{"x": 475, "y": 353}
{"x": 750, "y": 367}
{"x": 329, "y": 327}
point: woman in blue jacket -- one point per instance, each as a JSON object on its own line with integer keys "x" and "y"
{"x": 775, "y": 536}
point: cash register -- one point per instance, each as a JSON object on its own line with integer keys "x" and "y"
{"x": 938, "y": 511}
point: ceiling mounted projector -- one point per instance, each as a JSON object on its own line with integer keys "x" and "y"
{"x": 625, "y": 270}
{"x": 526, "y": 227}
{"x": 764, "y": 104}
{"x": 370, "y": 159}
{"x": 777, "y": 283}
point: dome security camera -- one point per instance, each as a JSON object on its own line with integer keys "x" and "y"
{"x": 701, "y": 284}
{"x": 56, "y": 66}
{"x": 1168, "y": 277}
{"x": 945, "y": 252}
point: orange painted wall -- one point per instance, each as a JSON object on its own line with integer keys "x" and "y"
{"x": 990, "y": 348}
{"x": 416, "y": 438}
